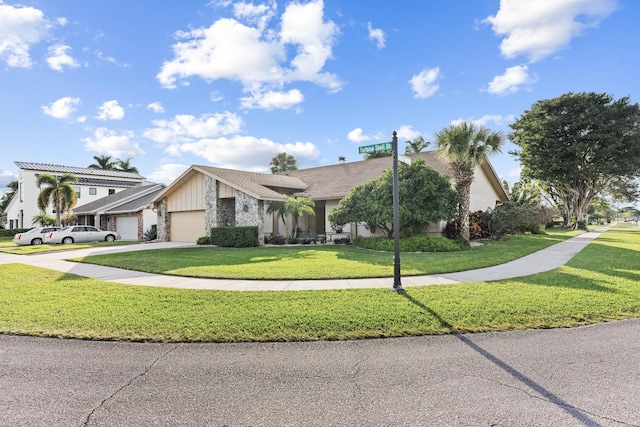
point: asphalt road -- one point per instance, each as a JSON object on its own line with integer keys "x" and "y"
{"x": 587, "y": 376}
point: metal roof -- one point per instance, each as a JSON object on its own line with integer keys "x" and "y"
{"x": 129, "y": 200}
{"x": 46, "y": 167}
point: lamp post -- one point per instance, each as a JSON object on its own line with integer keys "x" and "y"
{"x": 397, "y": 285}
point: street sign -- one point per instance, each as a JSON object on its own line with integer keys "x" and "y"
{"x": 404, "y": 159}
{"x": 383, "y": 146}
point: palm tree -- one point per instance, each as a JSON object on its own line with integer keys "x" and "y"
{"x": 465, "y": 146}
{"x": 125, "y": 166}
{"x": 294, "y": 206}
{"x": 298, "y": 206}
{"x": 102, "y": 162}
{"x": 42, "y": 219}
{"x": 57, "y": 191}
{"x": 282, "y": 163}
{"x": 416, "y": 146}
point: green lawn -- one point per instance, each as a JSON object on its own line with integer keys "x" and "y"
{"x": 12, "y": 248}
{"x": 601, "y": 283}
{"x": 321, "y": 261}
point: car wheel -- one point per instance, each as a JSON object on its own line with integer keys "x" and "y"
{"x": 36, "y": 242}
{"x": 67, "y": 241}
{"x": 110, "y": 238}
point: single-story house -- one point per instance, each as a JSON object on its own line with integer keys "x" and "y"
{"x": 204, "y": 196}
{"x": 93, "y": 184}
{"x": 130, "y": 212}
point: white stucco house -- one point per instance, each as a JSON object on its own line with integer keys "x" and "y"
{"x": 204, "y": 197}
{"x": 93, "y": 184}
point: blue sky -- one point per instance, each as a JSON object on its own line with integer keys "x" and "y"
{"x": 231, "y": 84}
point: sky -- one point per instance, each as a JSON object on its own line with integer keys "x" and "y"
{"x": 232, "y": 84}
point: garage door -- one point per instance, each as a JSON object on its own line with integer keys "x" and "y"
{"x": 187, "y": 226}
{"x": 127, "y": 226}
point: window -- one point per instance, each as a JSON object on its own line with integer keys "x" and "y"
{"x": 112, "y": 191}
{"x": 77, "y": 190}
{"x": 93, "y": 191}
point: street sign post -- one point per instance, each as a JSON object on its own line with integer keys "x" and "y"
{"x": 383, "y": 146}
{"x": 397, "y": 285}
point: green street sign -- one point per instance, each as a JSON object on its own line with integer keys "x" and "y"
{"x": 383, "y": 146}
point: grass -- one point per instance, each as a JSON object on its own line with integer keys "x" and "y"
{"x": 601, "y": 283}
{"x": 12, "y": 248}
{"x": 320, "y": 261}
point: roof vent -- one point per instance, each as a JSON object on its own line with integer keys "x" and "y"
{"x": 342, "y": 159}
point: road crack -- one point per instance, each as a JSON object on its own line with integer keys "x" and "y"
{"x": 128, "y": 384}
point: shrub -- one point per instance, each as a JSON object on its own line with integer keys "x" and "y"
{"x": 411, "y": 244}
{"x": 510, "y": 218}
{"x": 10, "y": 232}
{"x": 235, "y": 237}
{"x": 151, "y": 233}
{"x": 204, "y": 240}
{"x": 477, "y": 227}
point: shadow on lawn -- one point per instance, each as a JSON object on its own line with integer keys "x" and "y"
{"x": 546, "y": 394}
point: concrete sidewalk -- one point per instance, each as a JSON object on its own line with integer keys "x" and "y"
{"x": 543, "y": 260}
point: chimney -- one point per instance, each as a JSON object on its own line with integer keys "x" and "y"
{"x": 342, "y": 159}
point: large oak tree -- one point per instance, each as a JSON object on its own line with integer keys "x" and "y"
{"x": 576, "y": 145}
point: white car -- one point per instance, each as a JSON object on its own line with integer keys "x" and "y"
{"x": 35, "y": 236}
{"x": 81, "y": 234}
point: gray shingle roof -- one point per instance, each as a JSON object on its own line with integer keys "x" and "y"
{"x": 46, "y": 167}
{"x": 261, "y": 185}
{"x": 336, "y": 181}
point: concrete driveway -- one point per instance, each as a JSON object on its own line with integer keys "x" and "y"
{"x": 587, "y": 376}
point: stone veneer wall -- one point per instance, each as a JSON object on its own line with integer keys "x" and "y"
{"x": 249, "y": 212}
{"x": 210, "y": 203}
{"x": 164, "y": 221}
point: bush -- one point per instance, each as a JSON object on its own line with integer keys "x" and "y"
{"x": 10, "y": 232}
{"x": 235, "y": 237}
{"x": 477, "y": 227}
{"x": 275, "y": 240}
{"x": 411, "y": 244}
{"x": 151, "y": 233}
{"x": 204, "y": 240}
{"x": 510, "y": 218}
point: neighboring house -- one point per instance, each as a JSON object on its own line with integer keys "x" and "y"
{"x": 204, "y": 197}
{"x": 130, "y": 212}
{"x": 93, "y": 184}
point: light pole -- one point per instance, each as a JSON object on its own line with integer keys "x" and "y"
{"x": 397, "y": 285}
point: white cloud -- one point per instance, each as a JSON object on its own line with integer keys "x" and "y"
{"x": 62, "y": 108}
{"x": 537, "y": 29}
{"x": 425, "y": 83}
{"x": 406, "y": 132}
{"x": 244, "y": 152}
{"x": 357, "y": 136}
{"x": 377, "y": 35}
{"x": 259, "y": 14}
{"x": 20, "y": 28}
{"x": 156, "y": 107}
{"x": 496, "y": 119}
{"x": 110, "y": 110}
{"x": 512, "y": 81}
{"x": 271, "y": 100}
{"x": 219, "y": 51}
{"x": 58, "y": 58}
{"x": 167, "y": 173}
{"x": 187, "y": 128}
{"x": 120, "y": 145}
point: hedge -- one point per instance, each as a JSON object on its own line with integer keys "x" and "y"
{"x": 235, "y": 237}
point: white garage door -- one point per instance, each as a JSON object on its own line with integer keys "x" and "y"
{"x": 187, "y": 226}
{"x": 127, "y": 226}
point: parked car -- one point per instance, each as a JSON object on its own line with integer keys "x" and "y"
{"x": 35, "y": 236}
{"x": 81, "y": 234}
